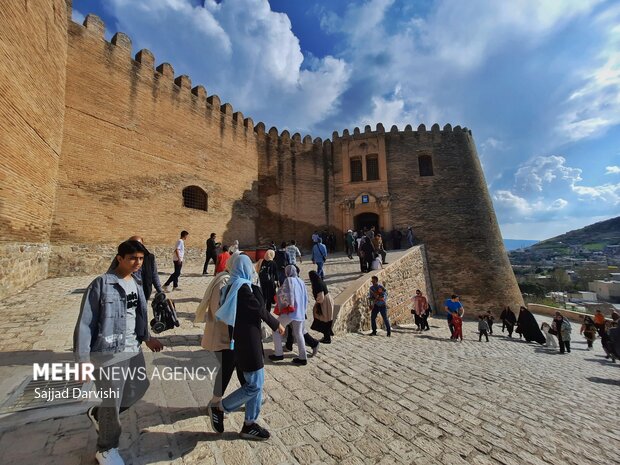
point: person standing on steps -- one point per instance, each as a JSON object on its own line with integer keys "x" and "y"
{"x": 177, "y": 260}
{"x": 377, "y": 296}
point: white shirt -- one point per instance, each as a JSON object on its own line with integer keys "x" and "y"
{"x": 181, "y": 248}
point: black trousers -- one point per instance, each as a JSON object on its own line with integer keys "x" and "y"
{"x": 490, "y": 327}
{"x": 174, "y": 277}
{"x": 210, "y": 256}
{"x": 309, "y": 340}
{"x": 483, "y": 332}
{"x": 424, "y": 318}
{"x": 226, "y": 359}
{"x": 510, "y": 327}
{"x": 564, "y": 346}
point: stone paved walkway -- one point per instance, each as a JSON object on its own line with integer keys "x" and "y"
{"x": 411, "y": 398}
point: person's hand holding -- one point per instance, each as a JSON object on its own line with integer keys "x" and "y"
{"x": 281, "y": 330}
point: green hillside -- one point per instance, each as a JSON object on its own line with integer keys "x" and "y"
{"x": 593, "y": 237}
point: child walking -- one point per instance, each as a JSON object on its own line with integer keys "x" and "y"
{"x": 457, "y": 322}
{"x": 483, "y": 328}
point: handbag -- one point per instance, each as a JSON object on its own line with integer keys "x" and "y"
{"x": 317, "y": 310}
{"x": 284, "y": 310}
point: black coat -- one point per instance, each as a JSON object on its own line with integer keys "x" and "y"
{"x": 268, "y": 277}
{"x": 247, "y": 332}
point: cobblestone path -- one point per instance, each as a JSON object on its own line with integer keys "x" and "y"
{"x": 412, "y": 398}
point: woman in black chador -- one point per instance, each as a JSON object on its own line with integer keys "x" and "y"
{"x": 528, "y": 327}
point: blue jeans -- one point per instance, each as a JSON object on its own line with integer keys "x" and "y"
{"x": 373, "y": 318}
{"x": 319, "y": 269}
{"x": 250, "y": 394}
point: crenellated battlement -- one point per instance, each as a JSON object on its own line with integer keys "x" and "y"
{"x": 163, "y": 74}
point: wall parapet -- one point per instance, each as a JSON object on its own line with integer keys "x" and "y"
{"x": 121, "y": 45}
{"x": 401, "y": 278}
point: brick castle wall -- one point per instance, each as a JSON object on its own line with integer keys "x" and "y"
{"x": 32, "y": 88}
{"x": 135, "y": 136}
{"x": 295, "y": 176}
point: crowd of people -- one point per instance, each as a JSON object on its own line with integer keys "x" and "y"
{"x": 238, "y": 301}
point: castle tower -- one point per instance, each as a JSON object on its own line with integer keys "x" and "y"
{"x": 33, "y": 45}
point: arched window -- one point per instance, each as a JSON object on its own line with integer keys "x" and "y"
{"x": 425, "y": 163}
{"x": 195, "y": 197}
{"x": 356, "y": 169}
{"x": 372, "y": 168}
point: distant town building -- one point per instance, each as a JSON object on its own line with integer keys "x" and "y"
{"x": 606, "y": 290}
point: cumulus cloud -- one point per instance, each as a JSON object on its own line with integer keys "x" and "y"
{"x": 241, "y": 50}
{"x": 535, "y": 173}
{"x": 612, "y": 170}
{"x": 514, "y": 204}
{"x": 541, "y": 187}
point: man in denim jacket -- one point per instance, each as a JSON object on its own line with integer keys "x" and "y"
{"x": 109, "y": 331}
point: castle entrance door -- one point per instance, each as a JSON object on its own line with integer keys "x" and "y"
{"x": 366, "y": 220}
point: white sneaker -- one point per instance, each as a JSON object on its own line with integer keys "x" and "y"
{"x": 109, "y": 457}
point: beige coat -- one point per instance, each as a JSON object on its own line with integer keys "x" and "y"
{"x": 327, "y": 307}
{"x": 216, "y": 335}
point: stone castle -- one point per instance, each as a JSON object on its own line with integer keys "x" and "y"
{"x": 97, "y": 145}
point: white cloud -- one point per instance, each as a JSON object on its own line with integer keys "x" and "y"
{"x": 450, "y": 34}
{"x": 512, "y": 203}
{"x": 595, "y": 105}
{"x": 606, "y": 193}
{"x": 535, "y": 173}
{"x": 612, "y": 170}
{"x": 241, "y": 50}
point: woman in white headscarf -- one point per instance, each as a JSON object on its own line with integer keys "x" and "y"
{"x": 291, "y": 308}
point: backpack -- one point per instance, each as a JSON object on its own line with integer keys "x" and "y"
{"x": 164, "y": 312}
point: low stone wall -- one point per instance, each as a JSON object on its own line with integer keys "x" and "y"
{"x": 85, "y": 259}
{"x": 576, "y": 317}
{"x": 21, "y": 265}
{"x": 401, "y": 278}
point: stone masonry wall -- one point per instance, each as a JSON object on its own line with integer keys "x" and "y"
{"x": 32, "y": 89}
{"x": 134, "y": 138}
{"x": 401, "y": 278}
{"x": 452, "y": 215}
{"x": 295, "y": 179}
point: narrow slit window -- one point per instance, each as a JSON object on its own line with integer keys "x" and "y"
{"x": 425, "y": 163}
{"x": 372, "y": 168}
{"x": 356, "y": 170}
{"x": 195, "y": 197}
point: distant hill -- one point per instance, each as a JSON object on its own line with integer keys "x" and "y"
{"x": 514, "y": 244}
{"x": 593, "y": 237}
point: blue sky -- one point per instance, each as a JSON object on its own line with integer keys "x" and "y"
{"x": 537, "y": 81}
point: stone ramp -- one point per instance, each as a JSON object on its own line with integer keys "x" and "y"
{"x": 412, "y": 398}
